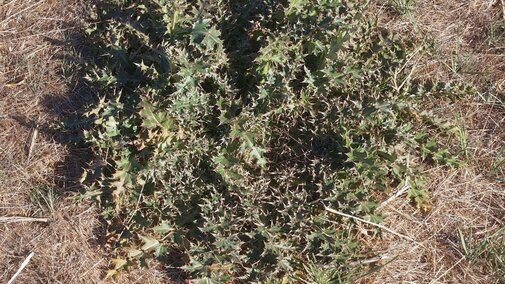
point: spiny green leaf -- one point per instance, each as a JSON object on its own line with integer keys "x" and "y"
{"x": 150, "y": 244}
{"x": 163, "y": 228}
{"x": 208, "y": 37}
{"x": 153, "y": 118}
{"x": 135, "y": 253}
{"x": 160, "y": 251}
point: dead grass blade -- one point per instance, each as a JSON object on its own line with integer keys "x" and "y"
{"x": 23, "y": 265}
{"x": 447, "y": 271}
{"x": 402, "y": 190}
{"x": 32, "y": 143}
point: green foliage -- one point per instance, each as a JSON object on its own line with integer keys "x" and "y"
{"x": 402, "y": 6}
{"x": 224, "y": 128}
{"x": 44, "y": 197}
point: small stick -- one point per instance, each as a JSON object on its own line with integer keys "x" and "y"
{"x": 396, "y": 195}
{"x": 448, "y": 270}
{"x": 32, "y": 143}
{"x": 370, "y": 260}
{"x": 23, "y": 265}
{"x": 15, "y": 219}
{"x": 370, "y": 223}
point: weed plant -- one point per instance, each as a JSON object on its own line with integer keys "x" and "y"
{"x": 223, "y": 129}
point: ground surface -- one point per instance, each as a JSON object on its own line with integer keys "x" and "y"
{"x": 467, "y": 200}
{"x": 38, "y": 168}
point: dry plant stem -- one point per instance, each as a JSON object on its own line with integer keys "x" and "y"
{"x": 370, "y": 260}
{"x": 16, "y": 219}
{"x": 370, "y": 223}
{"x": 32, "y": 143}
{"x": 23, "y": 265}
{"x": 448, "y": 270}
{"x": 404, "y": 189}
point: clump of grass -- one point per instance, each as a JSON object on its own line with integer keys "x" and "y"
{"x": 498, "y": 165}
{"x": 496, "y": 34}
{"x": 490, "y": 248}
{"x": 225, "y": 129}
{"x": 44, "y": 197}
{"x": 403, "y": 7}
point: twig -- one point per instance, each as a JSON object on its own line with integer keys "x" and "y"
{"x": 370, "y": 223}
{"x": 23, "y": 265}
{"x": 447, "y": 271}
{"x": 396, "y": 195}
{"x": 93, "y": 267}
{"x": 32, "y": 143}
{"x": 15, "y": 219}
{"x": 370, "y": 260}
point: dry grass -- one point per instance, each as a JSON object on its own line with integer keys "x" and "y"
{"x": 35, "y": 39}
{"x": 464, "y": 199}
{"x": 470, "y": 200}
{"x": 467, "y": 38}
